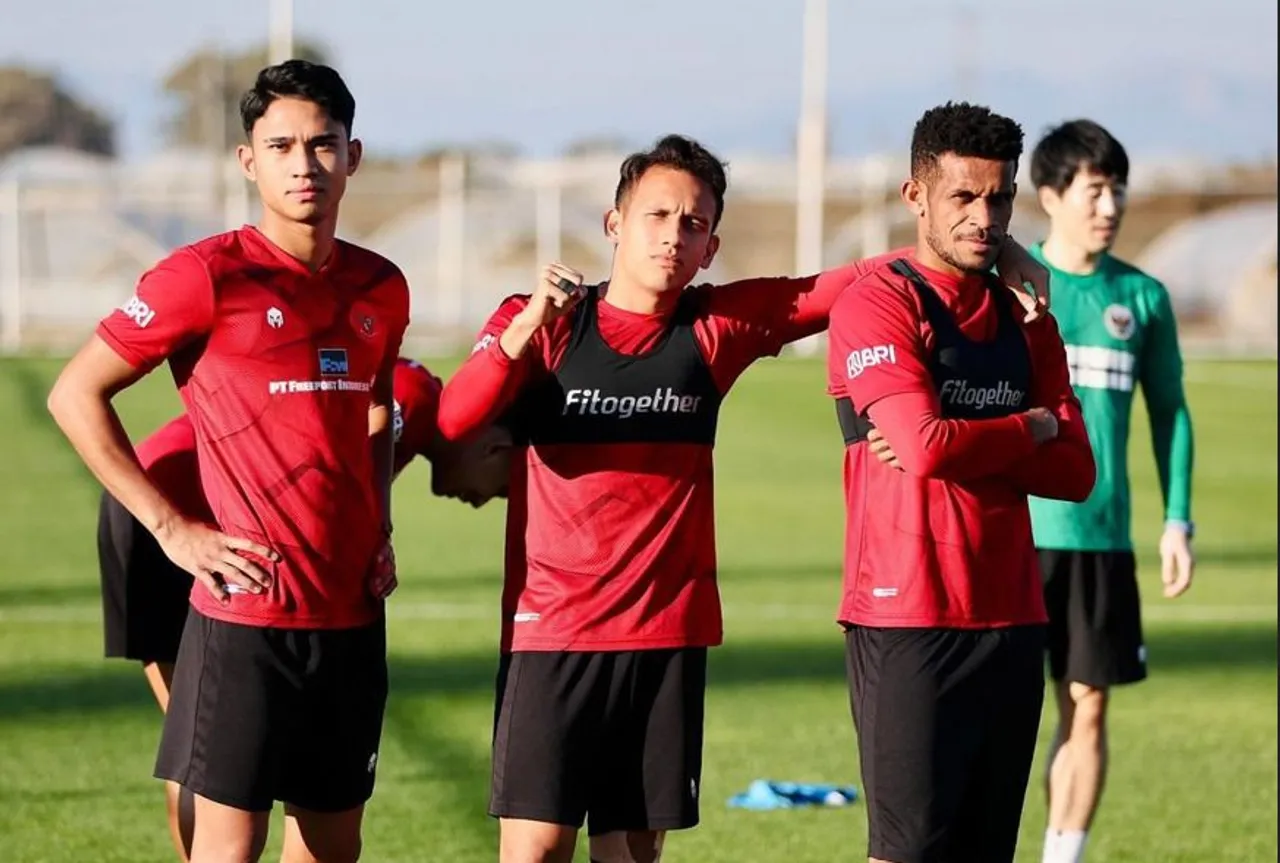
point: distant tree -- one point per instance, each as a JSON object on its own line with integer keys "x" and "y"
{"x": 206, "y": 90}
{"x": 36, "y": 111}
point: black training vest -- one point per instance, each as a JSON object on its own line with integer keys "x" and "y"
{"x": 974, "y": 380}
{"x": 600, "y": 396}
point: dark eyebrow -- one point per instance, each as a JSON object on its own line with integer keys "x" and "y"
{"x": 326, "y": 138}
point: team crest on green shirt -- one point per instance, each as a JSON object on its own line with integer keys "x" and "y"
{"x": 1119, "y": 321}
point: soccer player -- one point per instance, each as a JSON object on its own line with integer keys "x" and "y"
{"x": 282, "y": 341}
{"x": 610, "y": 600}
{"x": 953, "y": 412}
{"x": 145, "y": 597}
{"x": 1120, "y": 332}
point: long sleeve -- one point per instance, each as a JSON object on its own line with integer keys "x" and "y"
{"x": 1064, "y": 467}
{"x": 756, "y": 318}
{"x": 955, "y": 450}
{"x": 489, "y": 380}
{"x": 1160, "y": 370}
{"x": 874, "y": 324}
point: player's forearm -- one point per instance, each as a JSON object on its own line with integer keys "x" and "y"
{"x": 517, "y": 337}
{"x": 1174, "y": 445}
{"x": 1059, "y": 469}
{"x": 810, "y": 311}
{"x": 929, "y": 446}
{"x": 1063, "y": 468}
{"x": 815, "y": 295}
{"x": 478, "y": 392}
{"x": 93, "y": 427}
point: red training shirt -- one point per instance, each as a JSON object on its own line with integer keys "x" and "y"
{"x": 947, "y": 542}
{"x": 612, "y": 546}
{"x": 417, "y": 402}
{"x": 168, "y": 455}
{"x": 275, "y": 365}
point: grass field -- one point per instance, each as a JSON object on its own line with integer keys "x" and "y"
{"x": 1194, "y": 775}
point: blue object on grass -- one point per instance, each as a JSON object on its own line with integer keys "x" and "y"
{"x": 767, "y": 794}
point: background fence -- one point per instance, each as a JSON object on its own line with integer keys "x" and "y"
{"x": 77, "y": 230}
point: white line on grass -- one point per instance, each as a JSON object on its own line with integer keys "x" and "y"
{"x": 1171, "y": 612}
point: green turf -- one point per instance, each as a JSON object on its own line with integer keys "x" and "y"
{"x": 1194, "y": 774}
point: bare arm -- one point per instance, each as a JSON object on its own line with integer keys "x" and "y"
{"x": 80, "y": 403}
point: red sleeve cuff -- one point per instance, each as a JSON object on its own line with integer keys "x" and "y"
{"x": 1024, "y": 424}
{"x": 499, "y": 356}
{"x": 123, "y": 350}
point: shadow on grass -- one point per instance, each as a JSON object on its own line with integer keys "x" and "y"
{"x": 120, "y": 685}
{"x": 87, "y": 693}
{"x": 1174, "y": 648}
{"x": 77, "y": 690}
{"x": 461, "y": 767}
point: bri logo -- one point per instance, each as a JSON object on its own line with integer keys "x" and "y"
{"x": 333, "y": 363}
{"x": 138, "y": 311}
{"x": 861, "y": 359}
{"x": 958, "y": 392}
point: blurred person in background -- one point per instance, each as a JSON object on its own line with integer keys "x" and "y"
{"x": 283, "y": 342}
{"x": 145, "y": 596}
{"x": 1120, "y": 332}
{"x": 953, "y": 411}
{"x": 610, "y": 603}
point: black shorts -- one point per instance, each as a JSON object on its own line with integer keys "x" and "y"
{"x": 259, "y": 714}
{"x": 947, "y": 722}
{"x": 1095, "y": 617}
{"x": 614, "y": 739}
{"x": 145, "y": 596}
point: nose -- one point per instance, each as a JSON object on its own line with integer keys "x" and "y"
{"x": 1108, "y": 206}
{"x": 673, "y": 233}
{"x": 303, "y": 162}
{"x": 980, "y": 214}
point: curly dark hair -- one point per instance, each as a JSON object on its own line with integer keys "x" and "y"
{"x": 963, "y": 130}
{"x": 1073, "y": 146}
{"x": 683, "y": 154}
{"x": 298, "y": 79}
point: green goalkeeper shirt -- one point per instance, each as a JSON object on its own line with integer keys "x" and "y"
{"x": 1118, "y": 327}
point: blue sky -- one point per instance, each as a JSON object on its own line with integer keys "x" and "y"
{"x": 540, "y": 75}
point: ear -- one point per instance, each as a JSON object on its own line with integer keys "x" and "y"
{"x": 355, "y": 152}
{"x": 612, "y": 224}
{"x": 913, "y": 195}
{"x": 1049, "y": 199}
{"x": 244, "y": 155}
{"x": 713, "y": 246}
